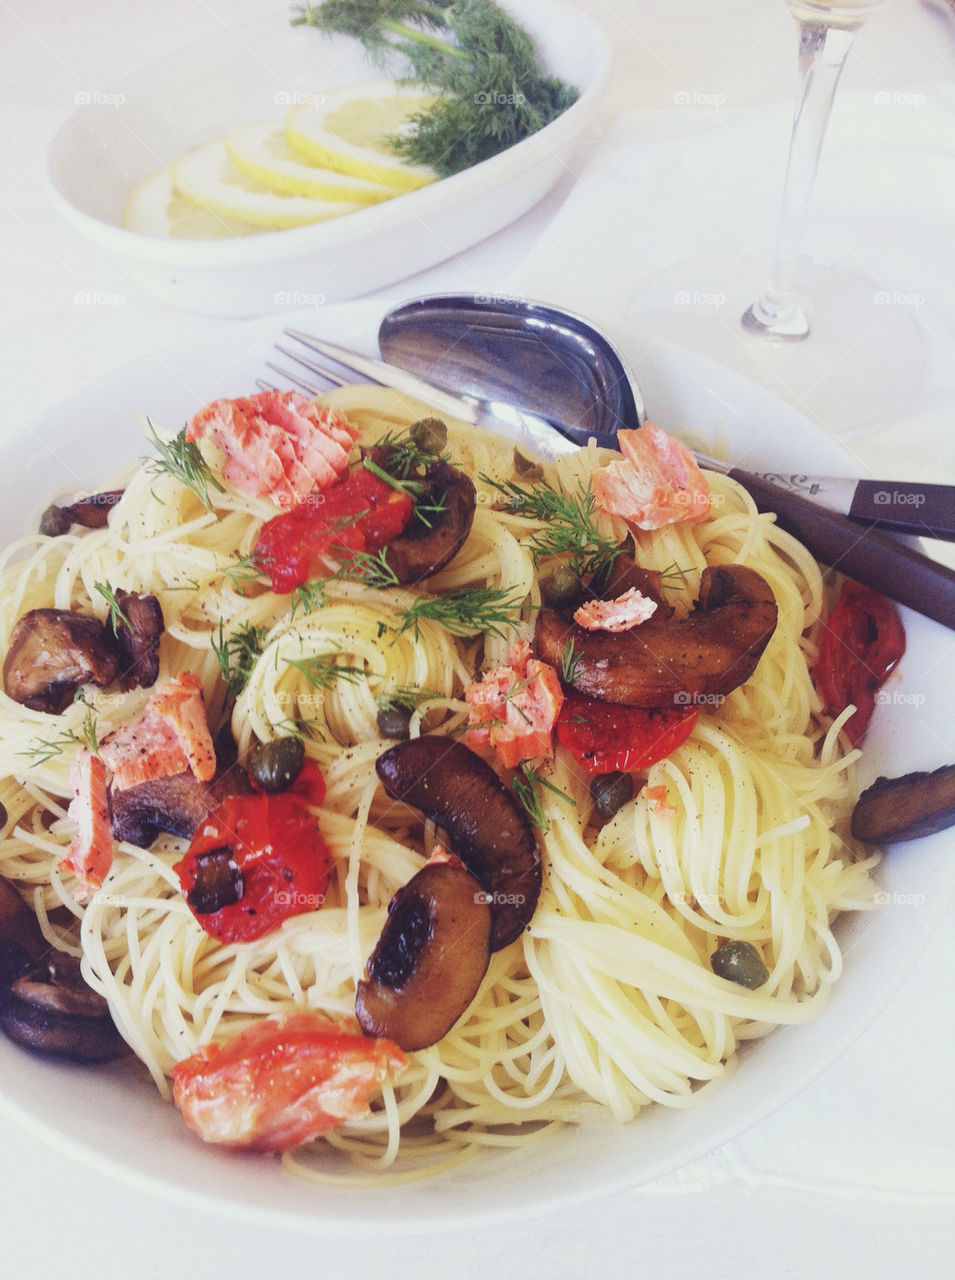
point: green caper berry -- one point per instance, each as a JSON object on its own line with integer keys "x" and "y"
{"x": 54, "y": 521}
{"x": 429, "y": 434}
{"x": 609, "y": 791}
{"x": 739, "y": 962}
{"x": 561, "y": 588}
{"x": 526, "y": 467}
{"x": 275, "y": 765}
{"x": 395, "y": 721}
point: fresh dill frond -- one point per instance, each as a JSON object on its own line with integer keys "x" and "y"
{"x": 525, "y": 784}
{"x": 568, "y": 663}
{"x": 242, "y": 571}
{"x": 426, "y": 507}
{"x": 403, "y": 456}
{"x": 300, "y": 727}
{"x": 307, "y": 596}
{"x": 674, "y": 577}
{"x": 238, "y": 653}
{"x": 116, "y": 614}
{"x": 371, "y": 569}
{"x": 183, "y": 459}
{"x": 407, "y": 697}
{"x": 45, "y": 749}
{"x": 324, "y": 670}
{"x": 570, "y": 521}
{"x": 465, "y": 612}
{"x": 491, "y": 89}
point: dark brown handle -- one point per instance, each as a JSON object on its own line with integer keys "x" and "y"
{"x": 877, "y": 559}
{"x": 926, "y": 510}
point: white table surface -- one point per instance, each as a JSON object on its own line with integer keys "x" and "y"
{"x": 747, "y": 1209}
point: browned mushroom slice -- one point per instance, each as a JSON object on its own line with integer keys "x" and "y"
{"x": 486, "y": 827}
{"x": 666, "y": 662}
{"x": 21, "y": 939}
{"x": 906, "y": 808}
{"x": 52, "y": 1010}
{"x": 177, "y": 803}
{"x": 139, "y": 641}
{"x": 429, "y": 961}
{"x": 626, "y": 574}
{"x": 91, "y": 512}
{"x": 446, "y": 504}
{"x": 54, "y": 651}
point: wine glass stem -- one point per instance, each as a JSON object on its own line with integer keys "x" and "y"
{"x": 822, "y": 55}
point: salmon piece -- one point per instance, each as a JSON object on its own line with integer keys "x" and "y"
{"x": 514, "y": 708}
{"x": 90, "y": 854}
{"x": 282, "y": 1082}
{"x": 657, "y": 799}
{"x": 657, "y": 483}
{"x": 276, "y": 443}
{"x": 626, "y": 611}
{"x": 170, "y": 736}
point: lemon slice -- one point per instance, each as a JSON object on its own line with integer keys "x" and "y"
{"x": 350, "y": 128}
{"x": 206, "y": 176}
{"x": 260, "y": 150}
{"x": 157, "y": 209}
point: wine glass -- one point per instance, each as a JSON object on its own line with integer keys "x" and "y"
{"x": 822, "y": 335}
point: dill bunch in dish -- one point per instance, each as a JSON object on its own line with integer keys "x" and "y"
{"x": 492, "y": 91}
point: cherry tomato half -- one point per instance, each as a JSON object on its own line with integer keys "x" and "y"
{"x": 604, "y": 737}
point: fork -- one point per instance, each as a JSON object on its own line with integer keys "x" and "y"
{"x": 855, "y": 549}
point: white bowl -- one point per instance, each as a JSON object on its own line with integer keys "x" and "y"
{"x": 113, "y": 1118}
{"x": 119, "y": 137}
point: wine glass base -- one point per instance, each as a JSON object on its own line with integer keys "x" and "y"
{"x": 863, "y": 363}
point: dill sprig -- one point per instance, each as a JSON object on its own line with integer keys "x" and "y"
{"x": 307, "y": 596}
{"x": 242, "y": 571}
{"x": 406, "y": 698}
{"x": 300, "y": 727}
{"x": 568, "y": 663}
{"x": 570, "y": 521}
{"x": 526, "y": 785}
{"x": 238, "y": 653}
{"x": 45, "y": 749}
{"x": 183, "y": 459}
{"x": 116, "y": 614}
{"x": 417, "y": 490}
{"x": 491, "y": 89}
{"x": 465, "y": 612}
{"x": 323, "y": 670}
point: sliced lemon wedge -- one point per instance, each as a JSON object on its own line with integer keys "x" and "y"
{"x": 156, "y": 208}
{"x": 349, "y": 131}
{"x": 206, "y": 176}
{"x": 261, "y": 152}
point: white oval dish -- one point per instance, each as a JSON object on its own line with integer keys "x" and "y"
{"x": 111, "y": 1116}
{"x": 112, "y": 142}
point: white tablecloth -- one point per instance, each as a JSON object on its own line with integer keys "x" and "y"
{"x": 854, "y": 1175}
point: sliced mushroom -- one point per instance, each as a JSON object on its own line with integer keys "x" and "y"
{"x": 431, "y": 540}
{"x": 486, "y": 827}
{"x": 667, "y": 662}
{"x": 91, "y": 513}
{"x": 21, "y": 939}
{"x": 52, "y": 1010}
{"x": 429, "y": 960}
{"x": 54, "y": 651}
{"x": 906, "y": 808}
{"x": 626, "y": 573}
{"x": 139, "y": 641}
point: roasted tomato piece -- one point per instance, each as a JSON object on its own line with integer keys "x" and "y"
{"x": 604, "y": 737}
{"x": 861, "y": 644}
{"x": 281, "y": 1081}
{"x": 271, "y": 862}
{"x": 363, "y": 513}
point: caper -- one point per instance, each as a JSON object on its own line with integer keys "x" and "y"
{"x": 739, "y": 962}
{"x": 561, "y": 588}
{"x": 526, "y": 467}
{"x": 54, "y": 521}
{"x": 609, "y": 791}
{"x": 394, "y": 721}
{"x": 275, "y": 765}
{"x": 429, "y": 434}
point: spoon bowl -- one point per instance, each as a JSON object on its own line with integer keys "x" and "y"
{"x": 513, "y": 358}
